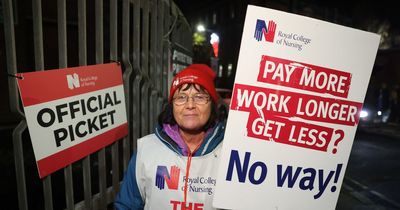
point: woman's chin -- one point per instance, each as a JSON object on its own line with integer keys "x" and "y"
{"x": 191, "y": 128}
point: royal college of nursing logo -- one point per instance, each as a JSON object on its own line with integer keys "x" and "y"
{"x": 73, "y": 81}
{"x": 171, "y": 178}
{"x": 262, "y": 30}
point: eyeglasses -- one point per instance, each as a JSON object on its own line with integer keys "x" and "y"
{"x": 199, "y": 99}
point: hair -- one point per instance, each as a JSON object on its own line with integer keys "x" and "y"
{"x": 167, "y": 117}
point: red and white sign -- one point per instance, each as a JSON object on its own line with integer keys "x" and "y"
{"x": 72, "y": 112}
{"x": 299, "y": 89}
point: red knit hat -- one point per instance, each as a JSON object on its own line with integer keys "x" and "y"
{"x": 199, "y": 74}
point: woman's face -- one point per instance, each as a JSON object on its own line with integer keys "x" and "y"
{"x": 191, "y": 107}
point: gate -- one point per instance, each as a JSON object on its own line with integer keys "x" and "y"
{"x": 47, "y": 34}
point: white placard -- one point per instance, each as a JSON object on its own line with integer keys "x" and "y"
{"x": 299, "y": 87}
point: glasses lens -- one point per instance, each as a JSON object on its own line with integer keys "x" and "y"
{"x": 180, "y": 99}
{"x": 200, "y": 99}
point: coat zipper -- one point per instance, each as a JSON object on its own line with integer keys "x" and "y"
{"x": 189, "y": 161}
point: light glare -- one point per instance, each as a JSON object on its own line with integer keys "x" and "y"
{"x": 363, "y": 114}
{"x": 201, "y": 28}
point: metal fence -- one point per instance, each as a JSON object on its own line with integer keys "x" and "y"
{"x": 58, "y": 34}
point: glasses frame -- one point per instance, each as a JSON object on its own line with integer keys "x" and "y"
{"x": 192, "y": 97}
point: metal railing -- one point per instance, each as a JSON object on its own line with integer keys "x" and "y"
{"x": 137, "y": 33}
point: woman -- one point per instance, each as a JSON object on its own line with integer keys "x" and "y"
{"x": 175, "y": 168}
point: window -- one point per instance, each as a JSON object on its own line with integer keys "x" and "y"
{"x": 229, "y": 69}
{"x": 232, "y": 11}
{"x": 220, "y": 71}
{"x": 214, "y": 18}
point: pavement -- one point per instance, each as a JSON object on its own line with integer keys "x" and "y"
{"x": 354, "y": 195}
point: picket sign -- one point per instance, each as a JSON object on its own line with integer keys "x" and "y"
{"x": 72, "y": 112}
{"x": 299, "y": 88}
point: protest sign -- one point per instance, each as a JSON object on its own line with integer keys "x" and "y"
{"x": 72, "y": 112}
{"x": 299, "y": 88}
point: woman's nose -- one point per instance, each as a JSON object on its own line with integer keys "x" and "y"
{"x": 190, "y": 102}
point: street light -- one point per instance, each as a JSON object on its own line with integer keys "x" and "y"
{"x": 201, "y": 28}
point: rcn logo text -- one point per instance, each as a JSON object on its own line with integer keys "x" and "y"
{"x": 262, "y": 30}
{"x": 171, "y": 178}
